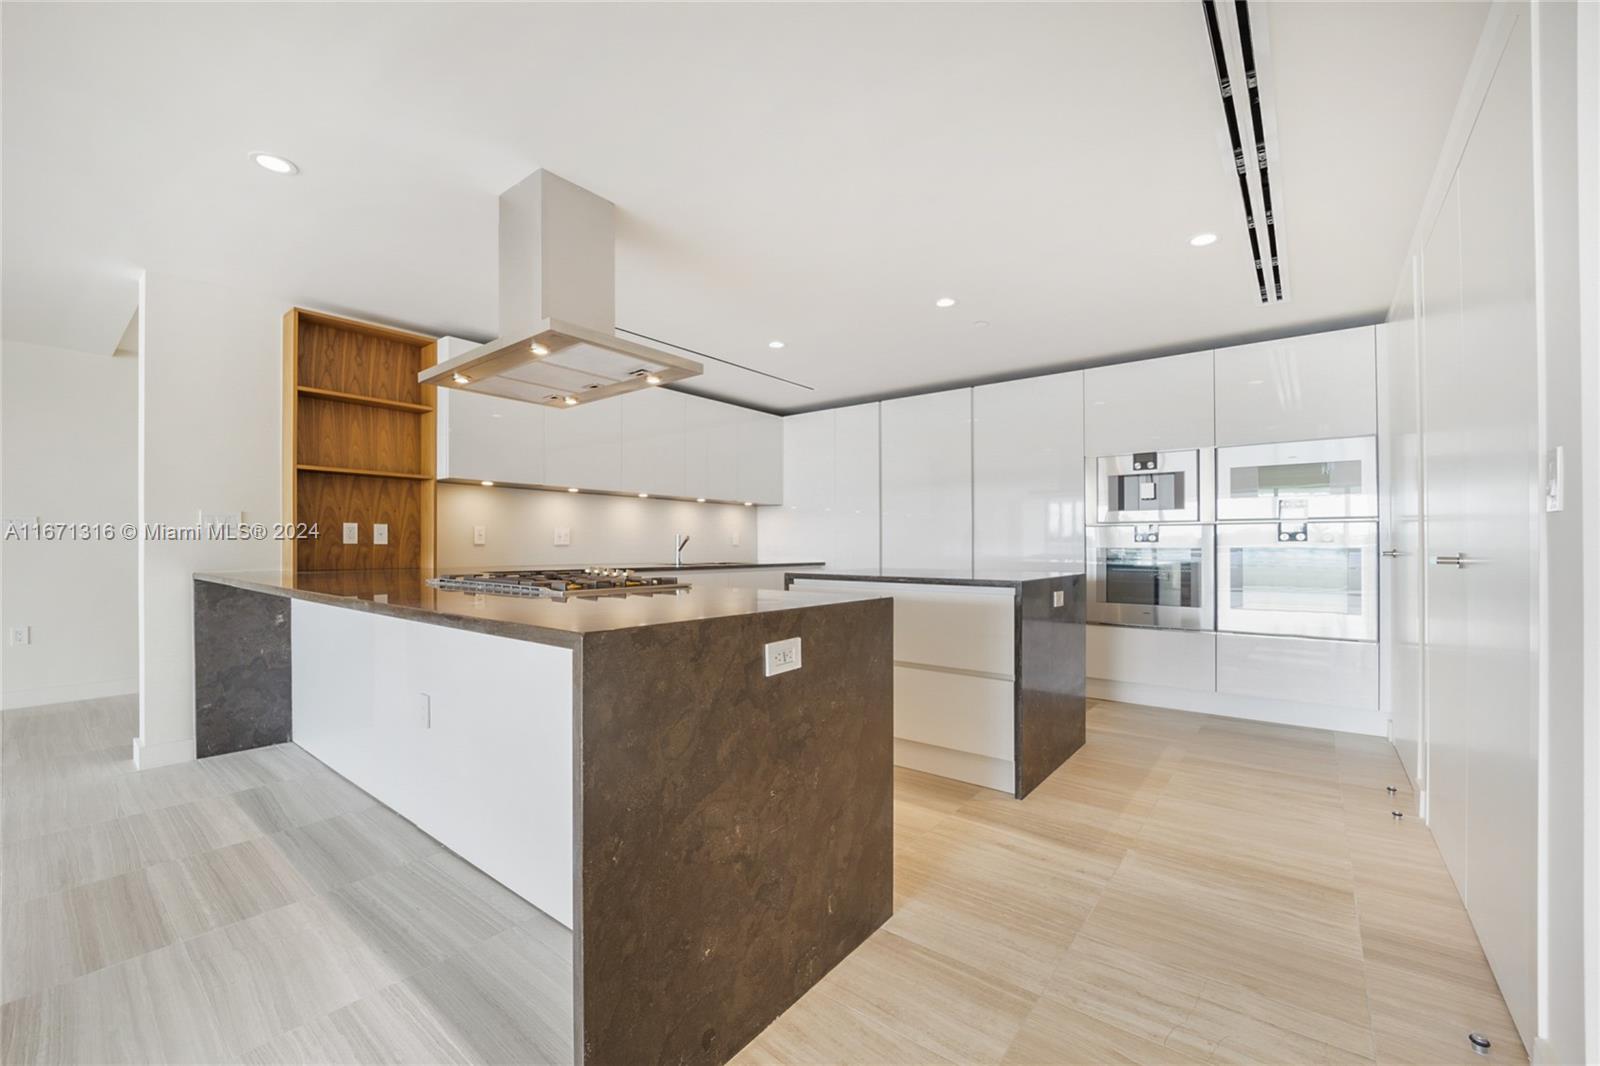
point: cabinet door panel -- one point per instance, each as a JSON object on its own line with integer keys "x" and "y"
{"x": 711, "y": 449}
{"x": 760, "y": 457}
{"x": 1149, "y": 406}
{"x": 1027, "y": 473}
{"x": 927, "y": 482}
{"x": 653, "y": 442}
{"x": 1301, "y": 388}
{"x": 583, "y": 447}
{"x": 490, "y": 438}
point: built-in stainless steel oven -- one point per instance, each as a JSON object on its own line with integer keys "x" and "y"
{"x": 1298, "y": 481}
{"x": 1298, "y": 578}
{"x": 1148, "y": 487}
{"x": 1151, "y": 575}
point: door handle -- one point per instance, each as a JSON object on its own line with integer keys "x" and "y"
{"x": 1390, "y": 553}
{"x": 1456, "y": 561}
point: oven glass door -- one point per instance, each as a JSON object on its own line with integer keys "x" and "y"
{"x": 1163, "y": 582}
{"x": 1148, "y": 487}
{"x": 1325, "y": 585}
{"x": 1297, "y": 481}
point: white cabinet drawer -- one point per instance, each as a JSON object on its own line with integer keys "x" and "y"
{"x": 948, "y": 626}
{"x": 1169, "y": 657}
{"x": 957, "y": 711}
{"x": 1342, "y": 673}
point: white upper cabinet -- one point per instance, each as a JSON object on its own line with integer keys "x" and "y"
{"x": 653, "y": 443}
{"x": 1303, "y": 388}
{"x": 1149, "y": 406}
{"x": 490, "y": 438}
{"x": 1027, "y": 473}
{"x": 760, "y": 478}
{"x": 830, "y": 491}
{"x": 583, "y": 447}
{"x": 711, "y": 449}
{"x": 927, "y": 482}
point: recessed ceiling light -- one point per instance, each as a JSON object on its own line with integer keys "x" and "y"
{"x": 644, "y": 495}
{"x": 652, "y": 379}
{"x": 774, "y": 344}
{"x": 945, "y": 301}
{"x": 459, "y": 378}
{"x": 570, "y": 401}
{"x": 982, "y": 323}
{"x": 487, "y": 484}
{"x": 275, "y": 163}
{"x": 699, "y": 499}
{"x": 1200, "y": 240}
{"x": 572, "y": 490}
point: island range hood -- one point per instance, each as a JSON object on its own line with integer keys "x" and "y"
{"x": 557, "y": 344}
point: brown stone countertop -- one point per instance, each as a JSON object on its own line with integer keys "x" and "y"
{"x": 406, "y": 594}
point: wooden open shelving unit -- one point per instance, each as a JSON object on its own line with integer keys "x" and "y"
{"x": 358, "y": 441}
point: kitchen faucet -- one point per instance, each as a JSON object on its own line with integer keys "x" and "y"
{"x": 678, "y": 541}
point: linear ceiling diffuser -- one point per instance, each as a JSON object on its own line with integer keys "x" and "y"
{"x": 1238, "y": 50}
{"x": 557, "y": 344}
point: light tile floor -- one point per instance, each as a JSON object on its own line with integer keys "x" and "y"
{"x": 1186, "y": 889}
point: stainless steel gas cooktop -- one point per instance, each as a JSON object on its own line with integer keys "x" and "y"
{"x": 558, "y": 584}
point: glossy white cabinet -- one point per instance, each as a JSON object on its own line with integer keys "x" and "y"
{"x": 1300, "y": 388}
{"x": 1169, "y": 658}
{"x": 711, "y": 449}
{"x": 1342, "y": 673}
{"x": 926, "y": 467}
{"x": 760, "y": 477}
{"x": 1149, "y": 406}
{"x": 830, "y": 490}
{"x": 653, "y": 441}
{"x": 583, "y": 447}
{"x": 490, "y": 438}
{"x": 1027, "y": 481}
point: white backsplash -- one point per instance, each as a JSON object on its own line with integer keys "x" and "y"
{"x": 520, "y": 529}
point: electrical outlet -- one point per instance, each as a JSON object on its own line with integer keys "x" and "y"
{"x": 1058, "y": 598}
{"x": 22, "y": 634}
{"x": 783, "y": 656}
{"x": 380, "y": 532}
{"x": 563, "y": 536}
{"x": 221, "y": 522}
{"x": 733, "y": 539}
{"x": 425, "y": 710}
{"x": 480, "y": 535}
{"x": 352, "y": 532}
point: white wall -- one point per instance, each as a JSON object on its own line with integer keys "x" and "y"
{"x": 70, "y": 429}
{"x": 623, "y": 530}
{"x": 210, "y": 426}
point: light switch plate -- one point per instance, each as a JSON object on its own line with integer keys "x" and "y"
{"x": 380, "y": 533}
{"x": 480, "y": 535}
{"x": 352, "y": 532}
{"x": 563, "y": 536}
{"x": 1555, "y": 480}
{"x": 223, "y": 522}
{"x": 1058, "y": 598}
{"x": 425, "y": 710}
{"x": 733, "y": 539}
{"x": 783, "y": 656}
{"x": 22, "y": 634}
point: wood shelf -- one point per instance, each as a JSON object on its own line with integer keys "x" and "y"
{"x": 307, "y": 468}
{"x": 368, "y": 401}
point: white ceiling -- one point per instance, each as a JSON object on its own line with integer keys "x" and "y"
{"x": 814, "y": 173}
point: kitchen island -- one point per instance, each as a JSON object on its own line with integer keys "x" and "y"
{"x": 715, "y": 835}
{"x": 988, "y": 669}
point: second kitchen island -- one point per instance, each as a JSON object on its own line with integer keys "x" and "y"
{"x": 716, "y": 831}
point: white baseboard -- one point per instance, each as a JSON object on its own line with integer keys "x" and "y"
{"x": 998, "y": 774}
{"x": 48, "y": 694}
{"x": 150, "y": 756}
{"x": 1279, "y": 712}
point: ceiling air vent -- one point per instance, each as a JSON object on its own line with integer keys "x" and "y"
{"x": 1239, "y": 52}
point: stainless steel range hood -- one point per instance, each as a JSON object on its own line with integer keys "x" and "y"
{"x": 558, "y": 344}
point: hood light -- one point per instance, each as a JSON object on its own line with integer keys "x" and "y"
{"x": 570, "y": 401}
{"x": 460, "y": 378}
{"x": 652, "y": 379}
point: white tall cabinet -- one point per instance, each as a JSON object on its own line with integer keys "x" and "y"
{"x": 926, "y": 469}
{"x": 830, "y": 491}
{"x": 1314, "y": 387}
{"x": 1027, "y": 474}
{"x": 1149, "y": 406}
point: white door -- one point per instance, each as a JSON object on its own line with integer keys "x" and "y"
{"x": 1401, "y": 575}
{"x": 1502, "y": 489}
{"x": 1447, "y": 658}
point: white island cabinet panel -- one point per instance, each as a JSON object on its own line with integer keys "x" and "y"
{"x": 926, "y": 467}
{"x": 465, "y": 734}
{"x": 1149, "y": 406}
{"x": 489, "y": 438}
{"x": 711, "y": 449}
{"x": 1027, "y": 473}
{"x": 1300, "y": 388}
{"x": 583, "y": 446}
{"x": 652, "y": 441}
{"x": 760, "y": 477}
